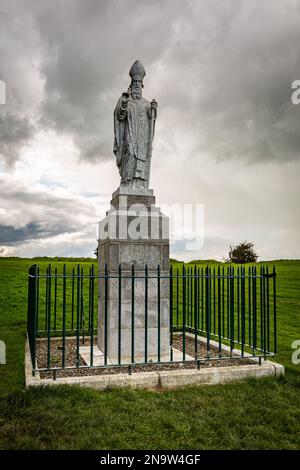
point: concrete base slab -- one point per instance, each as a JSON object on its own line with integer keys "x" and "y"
{"x": 98, "y": 356}
{"x": 159, "y": 379}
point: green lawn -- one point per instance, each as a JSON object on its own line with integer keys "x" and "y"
{"x": 262, "y": 414}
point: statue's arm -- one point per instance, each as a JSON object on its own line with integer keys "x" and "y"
{"x": 122, "y": 105}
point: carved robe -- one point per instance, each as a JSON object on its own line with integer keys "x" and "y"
{"x": 132, "y": 145}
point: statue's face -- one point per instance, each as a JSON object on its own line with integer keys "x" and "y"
{"x": 136, "y": 88}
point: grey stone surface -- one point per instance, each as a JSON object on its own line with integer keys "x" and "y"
{"x": 134, "y": 126}
{"x": 134, "y": 226}
{"x": 139, "y": 316}
{"x": 137, "y": 253}
{"x": 139, "y": 287}
{"x": 151, "y": 248}
{"x": 133, "y": 202}
{"x": 123, "y": 190}
{"x": 139, "y": 342}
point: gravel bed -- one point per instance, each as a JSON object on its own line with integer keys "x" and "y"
{"x": 71, "y": 356}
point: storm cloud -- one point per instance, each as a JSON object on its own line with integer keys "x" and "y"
{"x": 223, "y": 73}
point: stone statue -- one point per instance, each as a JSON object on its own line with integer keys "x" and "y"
{"x": 134, "y": 125}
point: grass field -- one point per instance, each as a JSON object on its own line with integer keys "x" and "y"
{"x": 255, "y": 414}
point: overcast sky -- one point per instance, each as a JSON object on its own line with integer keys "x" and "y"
{"x": 227, "y": 136}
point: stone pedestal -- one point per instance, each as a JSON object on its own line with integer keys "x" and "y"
{"x": 133, "y": 233}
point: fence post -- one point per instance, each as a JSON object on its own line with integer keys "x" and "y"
{"x": 183, "y": 312}
{"x": 72, "y": 298}
{"x": 171, "y": 313}
{"x": 82, "y": 313}
{"x": 188, "y": 297}
{"x": 243, "y": 308}
{"x": 37, "y": 271}
{"x": 223, "y": 302}
{"x": 274, "y": 310}
{"x": 238, "y": 304}
{"x": 119, "y": 314}
{"x": 132, "y": 313}
{"x": 31, "y": 314}
{"x": 264, "y": 313}
{"x": 78, "y": 315}
{"x": 268, "y": 312}
{"x": 198, "y": 300}
{"x": 254, "y": 309}
{"x": 214, "y": 296}
{"x": 249, "y": 305}
{"x": 64, "y": 312}
{"x": 49, "y": 318}
{"x": 105, "y": 312}
{"x": 146, "y": 313}
{"x": 46, "y": 299}
{"x": 231, "y": 309}
{"x": 219, "y": 310}
{"x": 228, "y": 301}
{"x": 196, "y": 310}
{"x": 91, "y": 325}
{"x": 158, "y": 313}
{"x": 177, "y": 296}
{"x": 202, "y": 300}
{"x": 55, "y": 298}
{"x": 207, "y": 297}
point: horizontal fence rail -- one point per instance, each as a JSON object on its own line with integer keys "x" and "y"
{"x": 209, "y": 312}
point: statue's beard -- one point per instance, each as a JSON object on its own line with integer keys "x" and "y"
{"x": 136, "y": 93}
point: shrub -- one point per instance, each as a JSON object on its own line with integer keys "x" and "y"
{"x": 242, "y": 253}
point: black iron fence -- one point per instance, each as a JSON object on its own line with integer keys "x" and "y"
{"x": 207, "y": 313}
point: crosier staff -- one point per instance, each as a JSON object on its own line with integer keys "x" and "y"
{"x": 154, "y": 105}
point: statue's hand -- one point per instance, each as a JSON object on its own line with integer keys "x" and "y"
{"x": 125, "y": 97}
{"x": 154, "y": 104}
